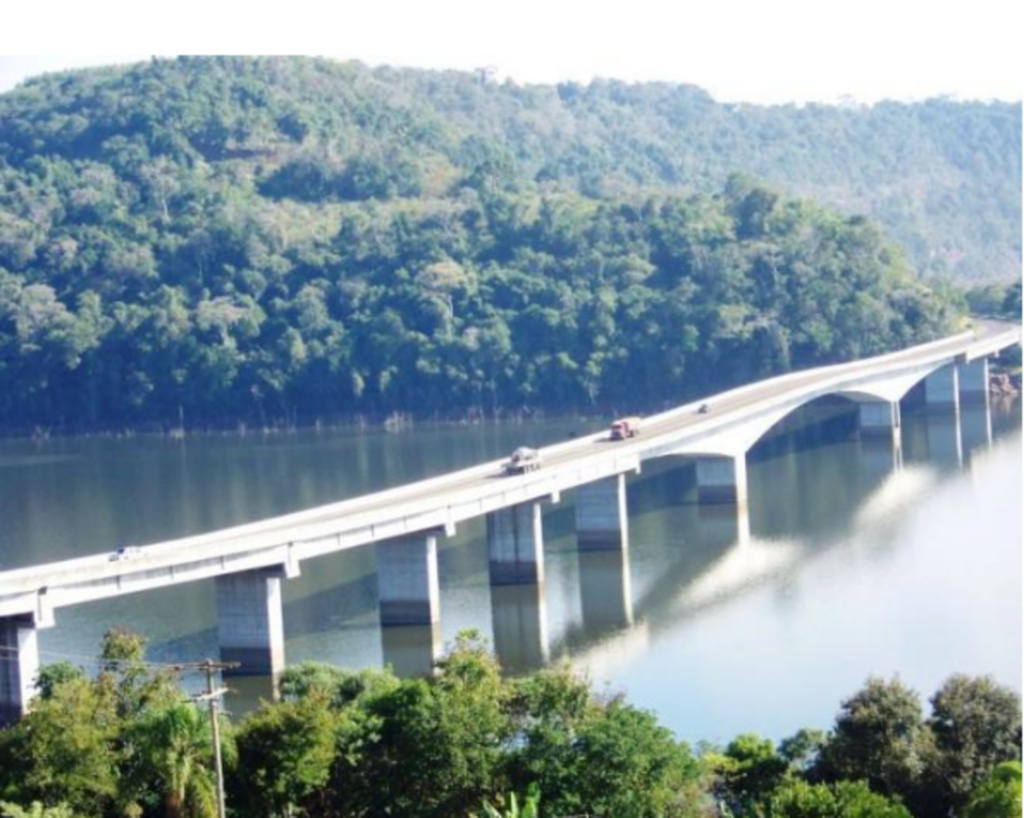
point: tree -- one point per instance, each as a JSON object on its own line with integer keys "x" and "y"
{"x": 880, "y": 737}
{"x": 434, "y": 745}
{"x": 748, "y": 771}
{"x": 69, "y": 748}
{"x": 999, "y": 795}
{"x": 631, "y": 767}
{"x": 285, "y": 753}
{"x": 53, "y": 675}
{"x": 844, "y": 799}
{"x": 977, "y": 724}
{"x": 174, "y": 745}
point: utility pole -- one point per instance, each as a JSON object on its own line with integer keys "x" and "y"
{"x": 213, "y": 696}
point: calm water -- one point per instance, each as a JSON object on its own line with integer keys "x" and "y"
{"x": 846, "y": 564}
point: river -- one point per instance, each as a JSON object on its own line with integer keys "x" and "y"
{"x": 849, "y": 562}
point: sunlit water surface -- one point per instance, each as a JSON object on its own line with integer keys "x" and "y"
{"x": 847, "y": 563}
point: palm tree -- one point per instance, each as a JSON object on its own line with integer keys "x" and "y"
{"x": 174, "y": 743}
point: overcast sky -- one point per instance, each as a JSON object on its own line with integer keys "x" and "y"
{"x": 768, "y": 51}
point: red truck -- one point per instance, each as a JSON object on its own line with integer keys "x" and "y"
{"x": 624, "y": 428}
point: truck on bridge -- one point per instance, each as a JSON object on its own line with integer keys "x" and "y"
{"x": 625, "y": 428}
{"x": 523, "y": 460}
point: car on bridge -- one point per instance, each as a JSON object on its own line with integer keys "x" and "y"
{"x": 125, "y": 552}
{"x": 523, "y": 460}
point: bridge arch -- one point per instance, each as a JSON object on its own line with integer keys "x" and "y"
{"x": 737, "y": 438}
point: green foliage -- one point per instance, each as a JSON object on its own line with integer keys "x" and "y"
{"x": 285, "y": 753}
{"x": 999, "y": 795}
{"x": 880, "y": 737}
{"x": 339, "y": 686}
{"x": 223, "y": 239}
{"x": 749, "y": 770}
{"x": 53, "y": 675}
{"x": 173, "y": 743}
{"x": 69, "y": 749}
{"x": 844, "y": 799}
{"x": 530, "y": 808}
{"x": 36, "y": 810}
{"x": 977, "y": 724}
{"x": 461, "y": 741}
{"x": 996, "y": 300}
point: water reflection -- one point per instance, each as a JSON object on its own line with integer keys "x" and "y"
{"x": 700, "y": 590}
{"x": 411, "y": 650}
{"x": 519, "y": 621}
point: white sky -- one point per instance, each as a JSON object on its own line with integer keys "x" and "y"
{"x": 766, "y": 51}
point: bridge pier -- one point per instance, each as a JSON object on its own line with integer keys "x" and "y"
{"x": 942, "y": 388}
{"x": 515, "y": 545}
{"x": 19, "y": 665}
{"x": 602, "y": 522}
{"x": 407, "y": 584}
{"x": 880, "y": 421}
{"x": 945, "y": 442}
{"x": 250, "y": 621}
{"x": 722, "y": 479}
{"x": 974, "y": 383}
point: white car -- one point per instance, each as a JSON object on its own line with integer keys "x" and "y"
{"x": 125, "y": 552}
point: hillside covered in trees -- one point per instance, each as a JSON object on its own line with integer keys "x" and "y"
{"x": 289, "y": 239}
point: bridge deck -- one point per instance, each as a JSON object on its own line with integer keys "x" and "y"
{"x": 441, "y": 502}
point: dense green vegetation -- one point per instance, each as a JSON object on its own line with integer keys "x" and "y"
{"x": 286, "y": 239}
{"x": 996, "y": 300}
{"x": 465, "y": 741}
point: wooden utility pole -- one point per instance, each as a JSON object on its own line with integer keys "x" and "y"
{"x": 213, "y": 697}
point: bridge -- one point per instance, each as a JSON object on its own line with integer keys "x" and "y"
{"x": 248, "y": 562}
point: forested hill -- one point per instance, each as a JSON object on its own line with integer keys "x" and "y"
{"x": 943, "y": 177}
{"x": 292, "y": 238}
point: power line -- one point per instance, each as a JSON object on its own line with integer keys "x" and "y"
{"x": 90, "y": 659}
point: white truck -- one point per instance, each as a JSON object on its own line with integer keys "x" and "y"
{"x": 523, "y": 460}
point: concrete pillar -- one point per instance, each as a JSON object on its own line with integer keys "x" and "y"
{"x": 602, "y": 522}
{"x": 250, "y": 622}
{"x": 974, "y": 384}
{"x": 942, "y": 388}
{"x": 606, "y": 591}
{"x": 520, "y": 626}
{"x": 515, "y": 545}
{"x": 19, "y": 665}
{"x": 880, "y": 421}
{"x": 407, "y": 584}
{"x": 411, "y": 650}
{"x": 945, "y": 445}
{"x": 722, "y": 479}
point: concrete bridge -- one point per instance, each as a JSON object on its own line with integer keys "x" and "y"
{"x": 248, "y": 562}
